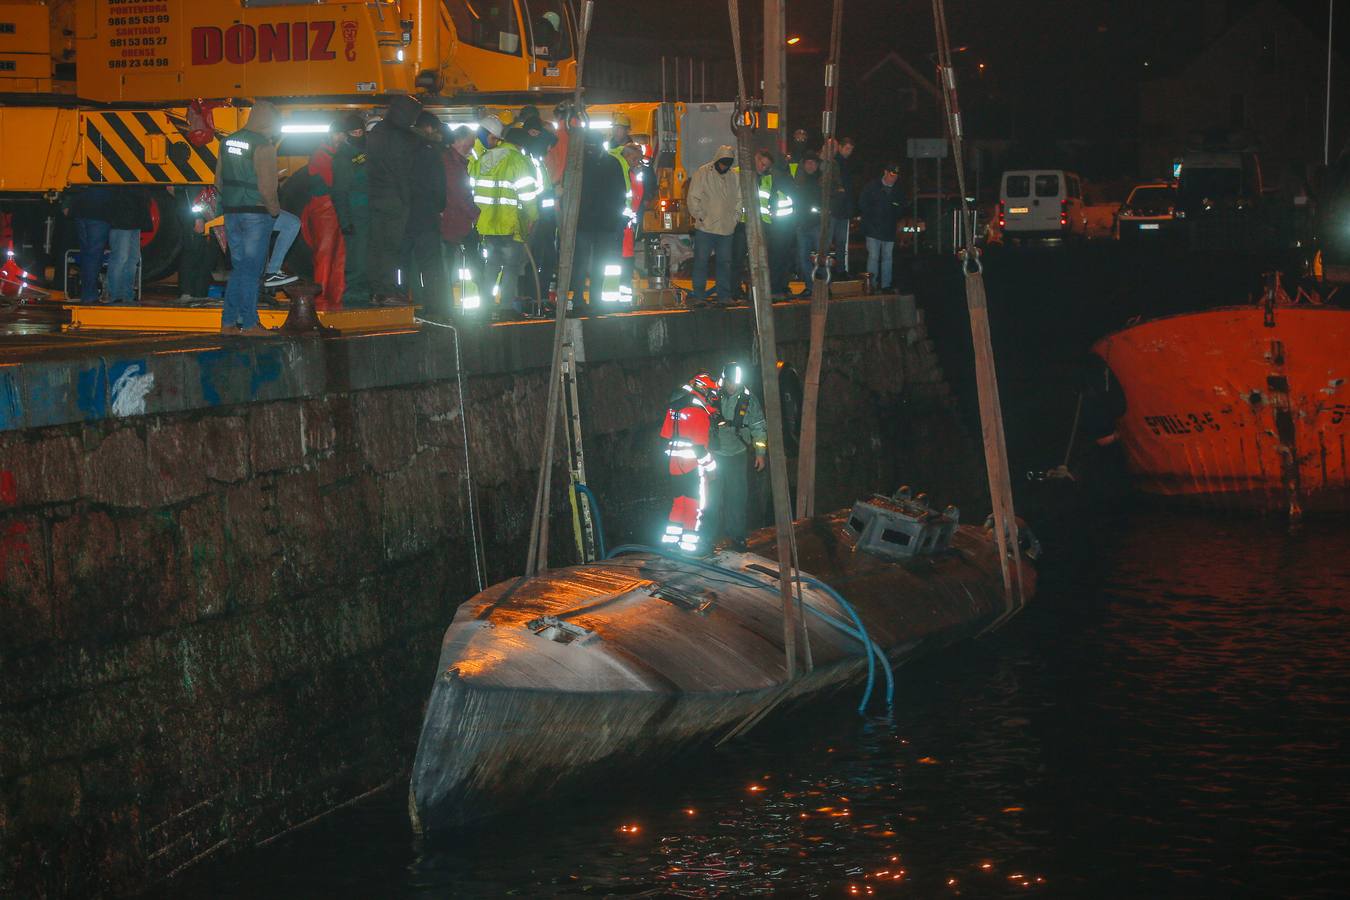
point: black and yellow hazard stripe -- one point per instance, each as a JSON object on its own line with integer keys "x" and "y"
{"x": 114, "y": 145}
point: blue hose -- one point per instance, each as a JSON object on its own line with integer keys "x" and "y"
{"x": 595, "y": 517}
{"x": 870, "y": 650}
{"x": 861, "y": 635}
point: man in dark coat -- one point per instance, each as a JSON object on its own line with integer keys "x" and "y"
{"x": 880, "y": 206}
{"x": 599, "y": 219}
{"x": 808, "y": 215}
{"x": 351, "y": 201}
{"x": 425, "y": 267}
{"x": 390, "y": 149}
{"x": 90, "y": 207}
{"x": 841, "y": 201}
{"x": 458, "y": 238}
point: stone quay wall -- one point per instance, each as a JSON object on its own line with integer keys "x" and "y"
{"x": 226, "y": 566}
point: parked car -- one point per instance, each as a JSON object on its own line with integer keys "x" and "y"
{"x": 1150, "y": 211}
{"x": 1041, "y": 203}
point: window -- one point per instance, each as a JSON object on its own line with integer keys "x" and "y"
{"x": 1210, "y": 184}
{"x": 1017, "y": 185}
{"x": 548, "y": 28}
{"x": 1047, "y": 185}
{"x": 489, "y": 24}
{"x": 1151, "y": 199}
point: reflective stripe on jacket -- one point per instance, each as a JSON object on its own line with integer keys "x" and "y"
{"x": 774, "y": 203}
{"x": 688, "y": 431}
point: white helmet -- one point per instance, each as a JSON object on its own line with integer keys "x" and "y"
{"x": 493, "y": 126}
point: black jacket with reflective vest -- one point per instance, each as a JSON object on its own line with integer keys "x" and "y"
{"x": 239, "y": 180}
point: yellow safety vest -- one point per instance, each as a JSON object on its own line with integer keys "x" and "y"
{"x": 781, "y": 205}
{"x": 506, "y": 190}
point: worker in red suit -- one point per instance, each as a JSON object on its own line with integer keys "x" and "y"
{"x": 319, "y": 220}
{"x": 691, "y": 421}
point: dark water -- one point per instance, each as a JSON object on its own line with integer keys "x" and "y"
{"x": 1171, "y": 717}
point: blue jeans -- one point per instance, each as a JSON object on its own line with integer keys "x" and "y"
{"x": 93, "y": 235}
{"x": 708, "y": 244}
{"x": 248, "y": 234}
{"x": 839, "y": 237}
{"x": 124, "y": 258}
{"x": 879, "y": 262}
{"x": 287, "y": 226}
{"x": 806, "y": 245}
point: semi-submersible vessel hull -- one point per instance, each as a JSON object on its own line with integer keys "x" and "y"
{"x": 553, "y": 679}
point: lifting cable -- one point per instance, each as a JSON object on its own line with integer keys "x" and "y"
{"x": 986, "y": 377}
{"x": 574, "y": 125}
{"x": 768, "y": 347}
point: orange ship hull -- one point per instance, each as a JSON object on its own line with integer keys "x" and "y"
{"x": 1242, "y": 407}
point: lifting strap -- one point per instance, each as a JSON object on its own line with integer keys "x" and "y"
{"x": 820, "y": 282}
{"x": 986, "y": 376}
{"x": 768, "y": 355}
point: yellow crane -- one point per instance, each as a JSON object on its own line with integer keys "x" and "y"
{"x": 126, "y": 92}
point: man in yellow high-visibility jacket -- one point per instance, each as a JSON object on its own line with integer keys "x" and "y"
{"x": 506, "y": 190}
{"x": 776, "y": 210}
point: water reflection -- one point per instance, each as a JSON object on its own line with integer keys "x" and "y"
{"x": 1170, "y": 718}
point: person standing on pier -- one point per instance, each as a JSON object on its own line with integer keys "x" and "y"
{"x": 808, "y": 219}
{"x": 89, "y": 207}
{"x": 351, "y": 202}
{"x": 714, "y": 200}
{"x": 637, "y": 187}
{"x": 776, "y": 211}
{"x": 319, "y": 220}
{"x": 507, "y": 194}
{"x": 742, "y": 427}
{"x": 458, "y": 218}
{"x": 391, "y": 148}
{"x": 691, "y": 418}
{"x": 599, "y": 221}
{"x": 246, "y": 176}
{"x": 535, "y": 138}
{"x": 424, "y": 261}
{"x": 841, "y": 201}
{"x": 880, "y": 206}
{"x": 128, "y": 217}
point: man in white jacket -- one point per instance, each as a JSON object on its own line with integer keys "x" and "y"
{"x": 714, "y": 200}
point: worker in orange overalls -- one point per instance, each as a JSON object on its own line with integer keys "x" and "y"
{"x": 691, "y": 420}
{"x": 319, "y": 220}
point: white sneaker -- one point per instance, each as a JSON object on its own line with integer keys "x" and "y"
{"x": 279, "y": 279}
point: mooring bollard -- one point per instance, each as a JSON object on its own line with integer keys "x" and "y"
{"x": 303, "y": 317}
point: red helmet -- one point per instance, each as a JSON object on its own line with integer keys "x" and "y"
{"x": 704, "y": 386}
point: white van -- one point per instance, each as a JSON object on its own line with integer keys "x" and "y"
{"x": 1041, "y": 203}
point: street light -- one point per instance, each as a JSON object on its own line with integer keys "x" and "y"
{"x": 794, "y": 41}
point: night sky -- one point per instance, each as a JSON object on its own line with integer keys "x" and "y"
{"x": 1053, "y": 69}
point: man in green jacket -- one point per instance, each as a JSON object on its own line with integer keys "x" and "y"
{"x": 246, "y": 177}
{"x": 742, "y": 434}
{"x": 351, "y": 199}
